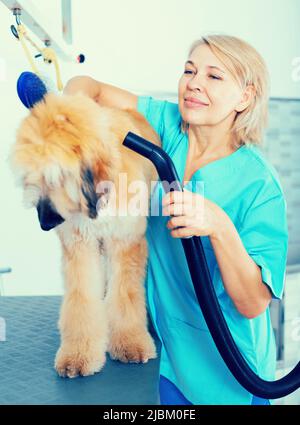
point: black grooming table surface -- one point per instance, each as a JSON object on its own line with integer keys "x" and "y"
{"x": 27, "y": 358}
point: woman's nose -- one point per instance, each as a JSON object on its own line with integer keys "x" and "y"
{"x": 197, "y": 82}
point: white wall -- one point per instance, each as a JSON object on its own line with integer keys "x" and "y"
{"x": 136, "y": 44}
{"x": 143, "y": 44}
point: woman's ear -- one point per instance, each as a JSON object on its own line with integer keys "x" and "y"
{"x": 247, "y": 97}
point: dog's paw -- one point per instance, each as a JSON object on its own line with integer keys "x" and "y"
{"x": 132, "y": 349}
{"x": 72, "y": 363}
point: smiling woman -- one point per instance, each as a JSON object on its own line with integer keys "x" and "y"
{"x": 211, "y": 136}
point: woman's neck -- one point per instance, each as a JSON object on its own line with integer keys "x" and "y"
{"x": 210, "y": 142}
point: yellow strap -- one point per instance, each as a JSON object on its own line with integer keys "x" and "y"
{"x": 48, "y": 54}
{"x": 21, "y": 31}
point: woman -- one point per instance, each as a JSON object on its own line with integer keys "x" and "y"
{"x": 232, "y": 199}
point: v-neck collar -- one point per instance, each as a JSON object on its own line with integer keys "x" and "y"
{"x": 218, "y": 168}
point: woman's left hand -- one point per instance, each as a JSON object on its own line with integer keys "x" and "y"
{"x": 195, "y": 214}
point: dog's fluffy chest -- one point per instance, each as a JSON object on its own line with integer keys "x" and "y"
{"x": 105, "y": 227}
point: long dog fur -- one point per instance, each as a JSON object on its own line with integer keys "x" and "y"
{"x": 64, "y": 148}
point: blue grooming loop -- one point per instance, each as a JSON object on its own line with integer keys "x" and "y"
{"x": 27, "y": 358}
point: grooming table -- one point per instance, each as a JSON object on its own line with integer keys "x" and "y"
{"x": 27, "y": 362}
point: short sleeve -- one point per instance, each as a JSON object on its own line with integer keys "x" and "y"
{"x": 264, "y": 233}
{"x": 163, "y": 116}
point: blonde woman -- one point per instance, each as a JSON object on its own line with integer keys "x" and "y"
{"x": 232, "y": 199}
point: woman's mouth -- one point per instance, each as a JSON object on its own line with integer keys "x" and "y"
{"x": 194, "y": 103}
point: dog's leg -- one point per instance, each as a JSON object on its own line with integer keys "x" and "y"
{"x": 129, "y": 339}
{"x": 83, "y": 323}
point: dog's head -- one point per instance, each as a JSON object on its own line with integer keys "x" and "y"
{"x": 61, "y": 153}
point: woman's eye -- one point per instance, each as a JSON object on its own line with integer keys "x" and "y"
{"x": 214, "y": 77}
{"x": 188, "y": 71}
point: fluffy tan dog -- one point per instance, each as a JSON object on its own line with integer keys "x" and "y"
{"x": 64, "y": 148}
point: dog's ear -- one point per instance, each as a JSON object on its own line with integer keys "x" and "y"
{"x": 47, "y": 214}
{"x": 89, "y": 191}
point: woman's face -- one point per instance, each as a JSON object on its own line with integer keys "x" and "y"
{"x": 207, "y": 80}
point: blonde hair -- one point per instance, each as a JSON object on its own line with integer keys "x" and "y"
{"x": 248, "y": 68}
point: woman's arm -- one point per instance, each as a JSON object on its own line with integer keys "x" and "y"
{"x": 240, "y": 274}
{"x": 103, "y": 94}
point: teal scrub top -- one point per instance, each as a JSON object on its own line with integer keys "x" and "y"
{"x": 247, "y": 187}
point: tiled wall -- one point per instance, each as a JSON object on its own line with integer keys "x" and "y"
{"x": 282, "y": 148}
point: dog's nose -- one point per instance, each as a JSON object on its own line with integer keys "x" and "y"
{"x": 47, "y": 214}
